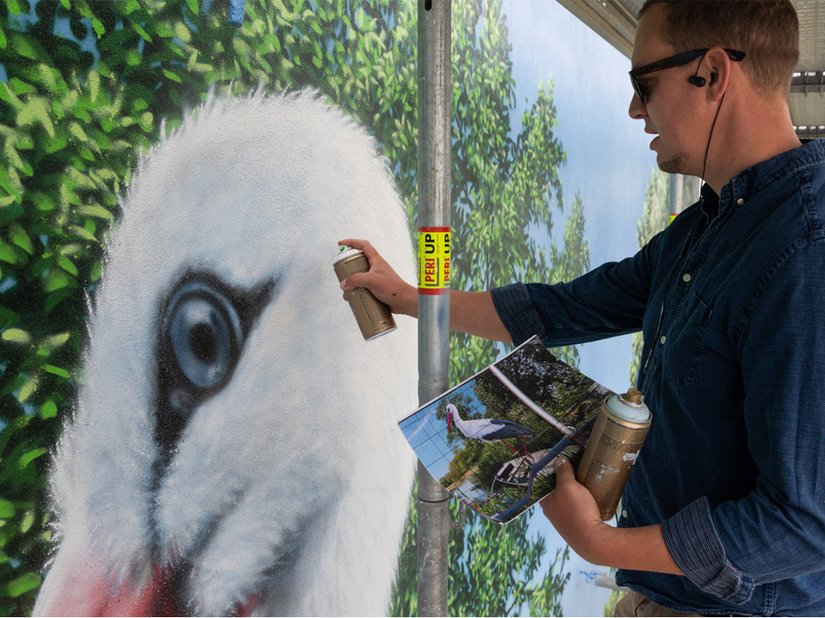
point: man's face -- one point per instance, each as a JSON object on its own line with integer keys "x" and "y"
{"x": 672, "y": 104}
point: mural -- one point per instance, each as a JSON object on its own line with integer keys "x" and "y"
{"x": 190, "y": 422}
{"x": 234, "y": 447}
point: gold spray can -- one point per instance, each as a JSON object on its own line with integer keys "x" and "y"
{"x": 374, "y": 318}
{"x": 618, "y": 434}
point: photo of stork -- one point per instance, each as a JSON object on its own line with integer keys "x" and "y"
{"x": 486, "y": 429}
{"x": 493, "y": 440}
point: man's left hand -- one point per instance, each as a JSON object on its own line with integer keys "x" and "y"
{"x": 573, "y": 511}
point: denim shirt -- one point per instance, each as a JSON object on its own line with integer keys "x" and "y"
{"x": 731, "y": 301}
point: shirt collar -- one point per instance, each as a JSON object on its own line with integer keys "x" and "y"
{"x": 752, "y": 180}
{"x": 709, "y": 201}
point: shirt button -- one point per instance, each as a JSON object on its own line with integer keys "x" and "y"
{"x": 624, "y": 514}
{"x": 686, "y": 277}
{"x": 662, "y": 339}
{"x": 740, "y": 201}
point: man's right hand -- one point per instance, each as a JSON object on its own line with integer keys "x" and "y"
{"x": 470, "y": 312}
{"x": 381, "y": 280}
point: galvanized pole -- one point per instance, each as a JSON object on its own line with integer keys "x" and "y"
{"x": 676, "y": 203}
{"x": 434, "y": 121}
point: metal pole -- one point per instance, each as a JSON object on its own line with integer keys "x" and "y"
{"x": 434, "y": 121}
{"x": 675, "y": 205}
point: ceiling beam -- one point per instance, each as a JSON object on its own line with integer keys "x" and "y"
{"x": 808, "y": 82}
{"x": 607, "y": 18}
{"x": 615, "y": 21}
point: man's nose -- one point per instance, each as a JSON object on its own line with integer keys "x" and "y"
{"x": 637, "y": 109}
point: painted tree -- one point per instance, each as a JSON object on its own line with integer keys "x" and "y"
{"x": 654, "y": 219}
{"x": 505, "y": 190}
{"x": 85, "y": 85}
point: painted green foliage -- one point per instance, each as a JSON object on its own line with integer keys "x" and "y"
{"x": 87, "y": 85}
{"x": 654, "y": 219}
{"x": 494, "y": 570}
{"x": 505, "y": 190}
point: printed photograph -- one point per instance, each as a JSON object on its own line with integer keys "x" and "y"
{"x": 492, "y": 441}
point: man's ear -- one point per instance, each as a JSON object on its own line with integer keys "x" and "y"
{"x": 718, "y": 67}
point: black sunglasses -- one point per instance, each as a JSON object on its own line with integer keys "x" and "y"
{"x": 673, "y": 61}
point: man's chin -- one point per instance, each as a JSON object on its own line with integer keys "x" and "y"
{"x": 673, "y": 165}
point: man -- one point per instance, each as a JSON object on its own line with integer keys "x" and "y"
{"x": 725, "y": 510}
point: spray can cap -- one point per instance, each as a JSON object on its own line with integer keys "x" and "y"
{"x": 629, "y": 406}
{"x": 345, "y": 252}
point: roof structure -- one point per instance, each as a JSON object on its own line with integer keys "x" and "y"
{"x": 615, "y": 21}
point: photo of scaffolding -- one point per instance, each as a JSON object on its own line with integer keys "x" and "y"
{"x": 492, "y": 440}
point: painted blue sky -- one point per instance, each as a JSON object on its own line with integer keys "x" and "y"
{"x": 608, "y": 159}
{"x": 608, "y": 163}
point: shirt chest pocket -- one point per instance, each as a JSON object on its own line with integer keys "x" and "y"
{"x": 685, "y": 343}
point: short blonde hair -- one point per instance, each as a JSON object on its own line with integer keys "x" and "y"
{"x": 766, "y": 30}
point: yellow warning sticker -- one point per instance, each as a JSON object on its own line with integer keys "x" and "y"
{"x": 433, "y": 260}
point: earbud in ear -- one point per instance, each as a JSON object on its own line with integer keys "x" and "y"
{"x": 697, "y": 80}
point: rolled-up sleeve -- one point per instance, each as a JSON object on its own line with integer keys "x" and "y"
{"x": 696, "y": 547}
{"x": 516, "y": 310}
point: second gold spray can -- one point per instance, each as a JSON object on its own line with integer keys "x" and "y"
{"x": 617, "y": 436}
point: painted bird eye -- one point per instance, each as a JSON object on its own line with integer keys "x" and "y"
{"x": 202, "y": 330}
{"x": 204, "y": 334}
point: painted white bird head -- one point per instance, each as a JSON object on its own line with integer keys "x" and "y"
{"x": 234, "y": 449}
